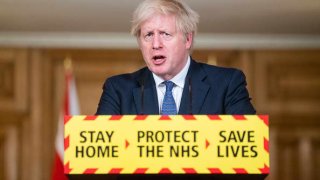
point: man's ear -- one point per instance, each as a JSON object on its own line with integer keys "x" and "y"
{"x": 189, "y": 39}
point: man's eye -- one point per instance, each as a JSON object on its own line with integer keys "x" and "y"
{"x": 165, "y": 34}
{"x": 148, "y": 35}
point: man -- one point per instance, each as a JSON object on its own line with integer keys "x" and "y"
{"x": 172, "y": 82}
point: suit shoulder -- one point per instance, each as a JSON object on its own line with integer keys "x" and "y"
{"x": 218, "y": 70}
{"x": 217, "y": 75}
{"x": 127, "y": 79}
{"x": 129, "y": 76}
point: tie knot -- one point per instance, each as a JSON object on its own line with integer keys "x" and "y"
{"x": 169, "y": 85}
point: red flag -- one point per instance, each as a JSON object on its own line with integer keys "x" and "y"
{"x": 70, "y": 107}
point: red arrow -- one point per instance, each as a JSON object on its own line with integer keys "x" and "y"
{"x": 207, "y": 144}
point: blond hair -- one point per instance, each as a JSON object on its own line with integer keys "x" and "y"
{"x": 186, "y": 18}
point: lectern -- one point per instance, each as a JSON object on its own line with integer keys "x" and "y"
{"x": 166, "y": 147}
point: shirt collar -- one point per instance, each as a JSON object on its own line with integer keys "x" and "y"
{"x": 179, "y": 79}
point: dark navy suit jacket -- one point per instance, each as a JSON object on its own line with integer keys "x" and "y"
{"x": 208, "y": 90}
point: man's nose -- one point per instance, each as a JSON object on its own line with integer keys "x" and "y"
{"x": 157, "y": 42}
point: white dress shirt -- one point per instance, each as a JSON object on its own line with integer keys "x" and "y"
{"x": 178, "y": 80}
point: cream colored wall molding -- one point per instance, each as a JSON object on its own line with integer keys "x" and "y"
{"x": 126, "y": 41}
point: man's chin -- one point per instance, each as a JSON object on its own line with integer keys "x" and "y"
{"x": 159, "y": 73}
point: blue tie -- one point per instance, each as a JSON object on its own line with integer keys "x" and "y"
{"x": 168, "y": 106}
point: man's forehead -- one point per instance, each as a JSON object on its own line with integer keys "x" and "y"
{"x": 159, "y": 22}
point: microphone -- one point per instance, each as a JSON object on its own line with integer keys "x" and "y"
{"x": 190, "y": 95}
{"x": 142, "y": 96}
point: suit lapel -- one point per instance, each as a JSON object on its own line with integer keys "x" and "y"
{"x": 195, "y": 88}
{"x": 145, "y": 96}
{"x": 199, "y": 91}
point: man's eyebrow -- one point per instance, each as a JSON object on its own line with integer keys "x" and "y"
{"x": 147, "y": 30}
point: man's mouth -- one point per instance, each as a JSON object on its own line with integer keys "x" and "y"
{"x": 158, "y": 59}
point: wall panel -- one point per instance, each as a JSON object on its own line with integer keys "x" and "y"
{"x": 13, "y": 80}
{"x": 283, "y": 83}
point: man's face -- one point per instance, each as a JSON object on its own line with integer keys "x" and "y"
{"x": 165, "y": 49}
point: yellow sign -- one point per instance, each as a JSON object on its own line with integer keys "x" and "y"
{"x": 155, "y": 144}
